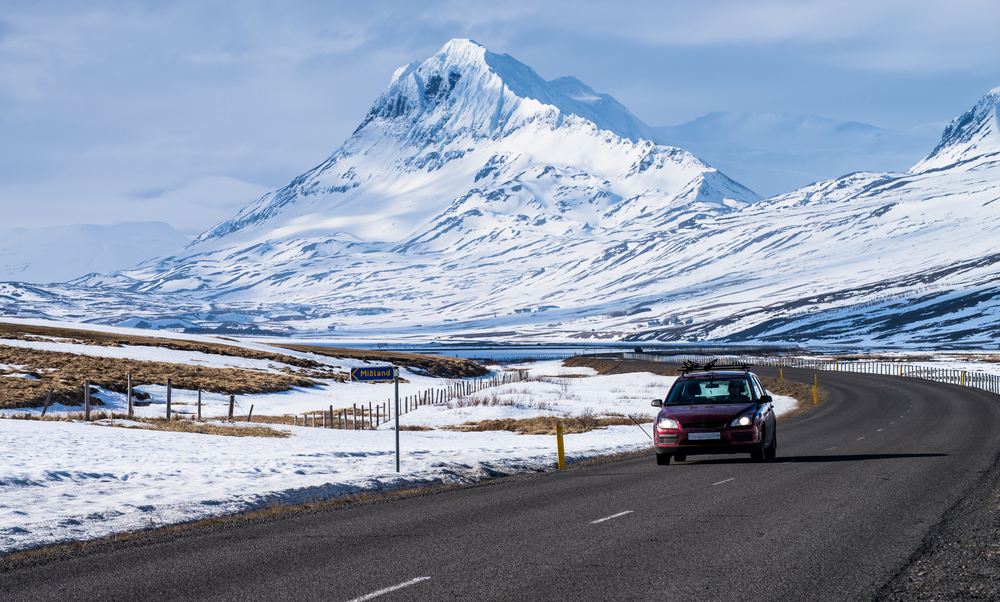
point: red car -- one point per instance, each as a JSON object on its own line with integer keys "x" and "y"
{"x": 715, "y": 410}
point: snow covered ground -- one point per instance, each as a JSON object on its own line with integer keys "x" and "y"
{"x": 61, "y": 481}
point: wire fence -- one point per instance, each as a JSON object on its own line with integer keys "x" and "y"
{"x": 156, "y": 402}
{"x": 962, "y": 377}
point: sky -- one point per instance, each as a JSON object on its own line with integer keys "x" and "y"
{"x": 185, "y": 111}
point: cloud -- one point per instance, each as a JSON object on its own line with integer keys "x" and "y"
{"x": 201, "y": 203}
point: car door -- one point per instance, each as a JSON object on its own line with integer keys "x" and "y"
{"x": 767, "y": 410}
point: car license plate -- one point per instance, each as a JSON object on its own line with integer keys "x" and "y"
{"x": 703, "y": 436}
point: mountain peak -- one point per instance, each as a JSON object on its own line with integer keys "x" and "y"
{"x": 971, "y": 135}
{"x": 464, "y": 89}
{"x": 466, "y": 125}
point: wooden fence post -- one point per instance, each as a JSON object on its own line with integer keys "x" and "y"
{"x": 86, "y": 400}
{"x": 168, "y": 400}
{"x": 354, "y": 417}
{"x": 199, "y": 404}
{"x": 48, "y": 400}
{"x": 131, "y": 409}
{"x": 232, "y": 402}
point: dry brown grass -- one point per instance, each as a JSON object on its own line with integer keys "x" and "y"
{"x": 108, "y": 339}
{"x": 545, "y": 425}
{"x": 440, "y": 366}
{"x": 190, "y": 426}
{"x": 65, "y": 373}
{"x": 615, "y": 367}
{"x": 800, "y": 392}
{"x": 159, "y": 424}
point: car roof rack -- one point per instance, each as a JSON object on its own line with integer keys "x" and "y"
{"x": 711, "y": 366}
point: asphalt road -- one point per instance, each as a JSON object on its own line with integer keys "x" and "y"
{"x": 858, "y": 484}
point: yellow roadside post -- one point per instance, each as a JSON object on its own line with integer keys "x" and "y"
{"x": 781, "y": 374}
{"x": 815, "y": 386}
{"x": 963, "y": 378}
{"x": 559, "y": 445}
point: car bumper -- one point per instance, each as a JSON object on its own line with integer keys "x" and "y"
{"x": 730, "y": 441}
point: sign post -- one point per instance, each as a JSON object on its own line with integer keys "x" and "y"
{"x": 381, "y": 374}
{"x": 395, "y": 380}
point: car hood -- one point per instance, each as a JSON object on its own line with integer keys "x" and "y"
{"x": 707, "y": 412}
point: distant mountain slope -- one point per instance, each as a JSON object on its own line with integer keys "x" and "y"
{"x": 777, "y": 153}
{"x": 905, "y": 257}
{"x": 62, "y": 253}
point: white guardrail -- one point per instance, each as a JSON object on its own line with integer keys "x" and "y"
{"x": 964, "y": 378}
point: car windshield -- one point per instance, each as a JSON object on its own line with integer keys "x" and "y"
{"x": 717, "y": 390}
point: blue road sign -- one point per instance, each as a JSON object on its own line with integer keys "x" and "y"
{"x": 376, "y": 374}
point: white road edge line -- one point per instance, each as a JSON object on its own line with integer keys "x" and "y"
{"x": 389, "y": 589}
{"x": 601, "y": 520}
{"x": 721, "y": 482}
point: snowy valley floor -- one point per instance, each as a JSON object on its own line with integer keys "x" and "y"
{"x": 63, "y": 481}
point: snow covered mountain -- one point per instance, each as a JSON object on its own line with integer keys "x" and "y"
{"x": 468, "y": 157}
{"x": 897, "y": 257}
{"x": 476, "y": 199}
{"x": 972, "y": 138}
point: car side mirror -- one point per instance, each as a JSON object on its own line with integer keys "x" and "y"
{"x": 766, "y": 399}
{"x": 657, "y": 403}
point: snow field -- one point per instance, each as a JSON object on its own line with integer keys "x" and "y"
{"x": 62, "y": 481}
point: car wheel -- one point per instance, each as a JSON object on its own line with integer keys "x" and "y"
{"x": 662, "y": 459}
{"x": 680, "y": 457}
{"x": 758, "y": 454}
{"x": 772, "y": 450}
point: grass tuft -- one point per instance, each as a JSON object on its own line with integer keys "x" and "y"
{"x": 546, "y": 425}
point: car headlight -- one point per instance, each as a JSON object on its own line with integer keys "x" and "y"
{"x": 666, "y": 423}
{"x": 742, "y": 421}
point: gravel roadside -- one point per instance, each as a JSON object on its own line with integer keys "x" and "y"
{"x": 960, "y": 557}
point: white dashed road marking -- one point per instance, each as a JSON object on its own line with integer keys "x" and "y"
{"x": 601, "y": 520}
{"x": 721, "y": 482}
{"x": 389, "y": 589}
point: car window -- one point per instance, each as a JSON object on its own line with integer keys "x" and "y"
{"x": 758, "y": 388}
{"x": 717, "y": 390}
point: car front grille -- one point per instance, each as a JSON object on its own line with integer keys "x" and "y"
{"x": 741, "y": 436}
{"x": 703, "y": 425}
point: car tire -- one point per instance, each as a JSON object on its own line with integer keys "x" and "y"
{"x": 760, "y": 453}
{"x": 662, "y": 459}
{"x": 772, "y": 450}
{"x": 680, "y": 457}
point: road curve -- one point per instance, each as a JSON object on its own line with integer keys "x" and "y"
{"x": 858, "y": 483}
